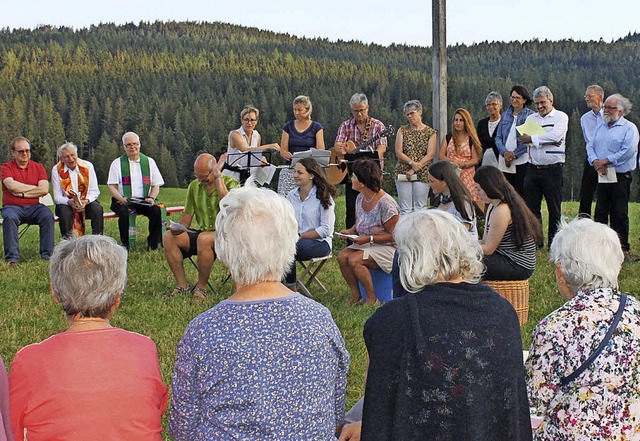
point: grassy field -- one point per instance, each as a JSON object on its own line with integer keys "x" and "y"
{"x": 28, "y": 315}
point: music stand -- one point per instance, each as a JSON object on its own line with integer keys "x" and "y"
{"x": 246, "y": 163}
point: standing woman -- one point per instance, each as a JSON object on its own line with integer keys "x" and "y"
{"x": 415, "y": 147}
{"x": 298, "y": 135}
{"x": 508, "y": 138}
{"x": 462, "y": 148}
{"x": 242, "y": 140}
{"x": 376, "y": 216}
{"x": 452, "y": 196}
{"x": 511, "y": 230}
{"x": 312, "y": 201}
{"x": 487, "y": 128}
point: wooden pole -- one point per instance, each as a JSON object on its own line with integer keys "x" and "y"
{"x": 439, "y": 66}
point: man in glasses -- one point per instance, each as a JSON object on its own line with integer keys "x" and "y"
{"x": 612, "y": 153}
{"x": 23, "y": 183}
{"x": 546, "y": 159}
{"x": 359, "y": 129}
{"x": 594, "y": 97}
{"x": 134, "y": 183}
{"x": 202, "y": 205}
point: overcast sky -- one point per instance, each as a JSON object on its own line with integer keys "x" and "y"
{"x": 377, "y": 21}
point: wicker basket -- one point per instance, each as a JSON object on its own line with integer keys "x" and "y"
{"x": 516, "y": 292}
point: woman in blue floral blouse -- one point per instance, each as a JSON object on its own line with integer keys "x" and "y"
{"x": 603, "y": 402}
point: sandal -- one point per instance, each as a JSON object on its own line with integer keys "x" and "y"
{"x": 177, "y": 291}
{"x": 199, "y": 293}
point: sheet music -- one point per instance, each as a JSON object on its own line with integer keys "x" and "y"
{"x": 263, "y": 175}
{"x": 322, "y": 156}
{"x": 609, "y": 178}
{"x": 502, "y": 166}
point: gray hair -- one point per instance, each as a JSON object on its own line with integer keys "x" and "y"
{"x": 623, "y": 103}
{"x": 493, "y": 96}
{"x": 414, "y": 105}
{"x": 305, "y": 101}
{"x": 573, "y": 246}
{"x": 67, "y": 145}
{"x": 88, "y": 274}
{"x": 358, "y": 98}
{"x": 597, "y": 89}
{"x": 434, "y": 247}
{"x": 129, "y": 134}
{"x": 543, "y": 91}
{"x": 256, "y": 234}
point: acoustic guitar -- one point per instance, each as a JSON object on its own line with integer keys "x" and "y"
{"x": 337, "y": 170}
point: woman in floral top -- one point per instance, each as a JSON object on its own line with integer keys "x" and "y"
{"x": 602, "y": 403}
{"x": 415, "y": 147}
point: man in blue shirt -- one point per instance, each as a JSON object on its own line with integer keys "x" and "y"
{"x": 594, "y": 96}
{"x": 614, "y": 145}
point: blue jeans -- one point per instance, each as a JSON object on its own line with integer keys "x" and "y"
{"x": 307, "y": 249}
{"x": 37, "y": 214}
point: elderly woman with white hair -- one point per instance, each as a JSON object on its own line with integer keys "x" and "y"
{"x": 93, "y": 381}
{"x": 264, "y": 364}
{"x": 582, "y": 370}
{"x": 445, "y": 360}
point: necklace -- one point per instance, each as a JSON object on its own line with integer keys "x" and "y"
{"x": 92, "y": 321}
{"x": 369, "y": 200}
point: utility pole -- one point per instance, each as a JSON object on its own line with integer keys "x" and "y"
{"x": 439, "y": 66}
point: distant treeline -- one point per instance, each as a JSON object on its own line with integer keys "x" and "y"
{"x": 181, "y": 86}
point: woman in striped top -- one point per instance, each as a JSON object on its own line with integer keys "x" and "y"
{"x": 511, "y": 230}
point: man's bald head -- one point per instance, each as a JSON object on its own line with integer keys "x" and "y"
{"x": 202, "y": 164}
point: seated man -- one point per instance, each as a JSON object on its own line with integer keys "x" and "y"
{"x": 23, "y": 183}
{"x": 134, "y": 183}
{"x": 203, "y": 199}
{"x": 75, "y": 192}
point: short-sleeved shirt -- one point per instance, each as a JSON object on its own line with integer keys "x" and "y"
{"x": 115, "y": 177}
{"x": 204, "y": 207}
{"x": 372, "y": 222}
{"x": 31, "y": 175}
{"x": 301, "y": 141}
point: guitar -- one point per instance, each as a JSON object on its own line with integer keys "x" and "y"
{"x": 337, "y": 170}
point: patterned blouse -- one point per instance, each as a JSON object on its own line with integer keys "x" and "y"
{"x": 261, "y": 370}
{"x": 466, "y": 174}
{"x": 372, "y": 221}
{"x": 415, "y": 144}
{"x": 604, "y": 402}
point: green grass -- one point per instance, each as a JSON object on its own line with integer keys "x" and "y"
{"x": 28, "y": 315}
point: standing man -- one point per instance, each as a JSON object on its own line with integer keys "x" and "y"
{"x": 23, "y": 183}
{"x": 594, "y": 96}
{"x": 75, "y": 192}
{"x": 359, "y": 129}
{"x": 546, "y": 158}
{"x": 615, "y": 145}
{"x": 134, "y": 183}
{"x": 203, "y": 204}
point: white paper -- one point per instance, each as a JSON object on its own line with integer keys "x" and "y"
{"x": 347, "y": 236}
{"x": 180, "y": 227}
{"x": 322, "y": 156}
{"x": 502, "y": 166}
{"x": 265, "y": 174}
{"x": 609, "y": 178}
{"x": 403, "y": 178}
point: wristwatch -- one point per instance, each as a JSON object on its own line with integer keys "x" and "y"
{"x": 371, "y": 238}
{"x": 410, "y": 163}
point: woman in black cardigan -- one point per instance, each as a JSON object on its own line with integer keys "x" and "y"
{"x": 486, "y": 129}
{"x": 445, "y": 360}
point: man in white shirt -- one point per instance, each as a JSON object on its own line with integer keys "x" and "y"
{"x": 594, "y": 96}
{"x": 546, "y": 158}
{"x": 75, "y": 192}
{"x": 134, "y": 183}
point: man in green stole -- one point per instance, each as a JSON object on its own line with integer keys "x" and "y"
{"x": 134, "y": 183}
{"x": 75, "y": 192}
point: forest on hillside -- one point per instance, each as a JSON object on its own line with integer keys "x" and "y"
{"x": 181, "y": 85}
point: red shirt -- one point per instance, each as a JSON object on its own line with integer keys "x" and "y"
{"x": 33, "y": 174}
{"x": 89, "y": 385}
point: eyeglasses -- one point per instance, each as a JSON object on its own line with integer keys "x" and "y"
{"x": 249, "y": 120}
{"x": 23, "y": 152}
{"x": 357, "y": 111}
{"x": 203, "y": 178}
{"x": 610, "y": 107}
{"x": 516, "y": 97}
{"x": 492, "y": 105}
{"x": 408, "y": 114}
{"x": 132, "y": 144}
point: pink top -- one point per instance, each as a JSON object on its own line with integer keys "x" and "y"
{"x": 467, "y": 174}
{"x": 98, "y": 384}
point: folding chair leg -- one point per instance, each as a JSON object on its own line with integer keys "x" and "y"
{"x": 208, "y": 282}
